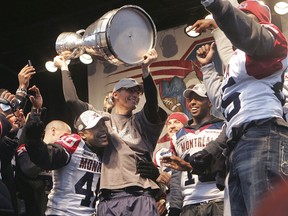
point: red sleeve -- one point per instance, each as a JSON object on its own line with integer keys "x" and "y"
{"x": 70, "y": 142}
{"x": 267, "y": 65}
{"x": 21, "y": 149}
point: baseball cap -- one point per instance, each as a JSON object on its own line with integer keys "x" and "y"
{"x": 182, "y": 117}
{"x": 88, "y": 119}
{"x": 199, "y": 89}
{"x": 259, "y": 9}
{"x": 127, "y": 83}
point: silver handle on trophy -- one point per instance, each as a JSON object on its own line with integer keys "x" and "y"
{"x": 69, "y": 45}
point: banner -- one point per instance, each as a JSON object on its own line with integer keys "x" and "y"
{"x": 175, "y": 69}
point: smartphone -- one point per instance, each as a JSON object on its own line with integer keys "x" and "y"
{"x": 29, "y": 62}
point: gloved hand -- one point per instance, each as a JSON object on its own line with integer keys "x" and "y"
{"x": 200, "y": 161}
{"x": 147, "y": 169}
{"x": 34, "y": 128}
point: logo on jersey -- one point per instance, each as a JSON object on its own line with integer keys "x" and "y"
{"x": 199, "y": 139}
{"x": 90, "y": 165}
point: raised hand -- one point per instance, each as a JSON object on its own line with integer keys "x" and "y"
{"x": 203, "y": 25}
{"x": 25, "y": 75}
{"x": 60, "y": 62}
{"x": 150, "y": 57}
{"x": 36, "y": 100}
{"x": 205, "y": 53}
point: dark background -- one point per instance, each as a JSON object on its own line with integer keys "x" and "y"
{"x": 29, "y": 30}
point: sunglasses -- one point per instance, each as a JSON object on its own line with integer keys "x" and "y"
{"x": 138, "y": 90}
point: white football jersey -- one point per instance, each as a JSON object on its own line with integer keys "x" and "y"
{"x": 76, "y": 185}
{"x": 285, "y": 92}
{"x": 251, "y": 88}
{"x": 186, "y": 142}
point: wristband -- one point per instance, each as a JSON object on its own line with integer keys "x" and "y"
{"x": 22, "y": 91}
{"x": 37, "y": 111}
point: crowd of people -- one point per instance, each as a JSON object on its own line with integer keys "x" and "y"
{"x": 111, "y": 166}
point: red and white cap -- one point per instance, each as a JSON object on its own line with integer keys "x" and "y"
{"x": 180, "y": 116}
{"x": 259, "y": 9}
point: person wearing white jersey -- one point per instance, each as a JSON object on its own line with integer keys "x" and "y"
{"x": 285, "y": 92}
{"x": 200, "y": 196}
{"x": 34, "y": 183}
{"x": 74, "y": 158}
{"x": 174, "y": 122}
{"x": 251, "y": 101}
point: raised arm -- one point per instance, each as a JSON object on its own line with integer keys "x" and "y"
{"x": 24, "y": 77}
{"x": 212, "y": 79}
{"x": 46, "y": 156}
{"x": 151, "y": 108}
{"x": 76, "y": 105}
{"x": 244, "y": 32}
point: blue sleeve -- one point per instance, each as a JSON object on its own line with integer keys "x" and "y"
{"x": 176, "y": 198}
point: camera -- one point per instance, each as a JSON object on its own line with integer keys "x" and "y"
{"x": 9, "y": 106}
{"x": 15, "y": 104}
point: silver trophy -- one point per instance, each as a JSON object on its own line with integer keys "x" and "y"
{"x": 121, "y": 37}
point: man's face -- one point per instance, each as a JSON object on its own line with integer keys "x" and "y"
{"x": 97, "y": 136}
{"x": 198, "y": 106}
{"x": 128, "y": 97}
{"x": 173, "y": 125}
